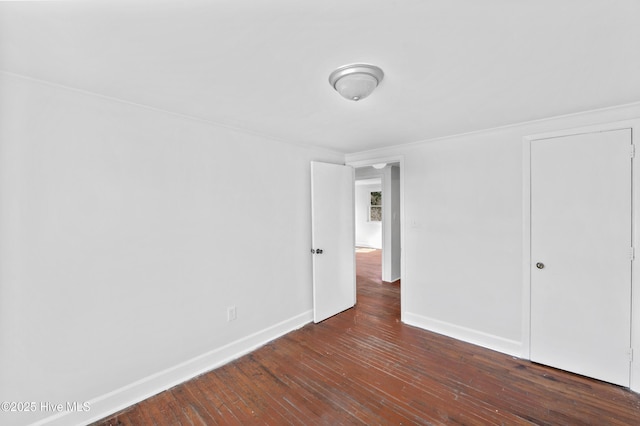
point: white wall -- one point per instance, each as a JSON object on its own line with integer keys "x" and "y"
{"x": 125, "y": 233}
{"x": 391, "y": 227}
{"x": 463, "y": 229}
{"x": 368, "y": 234}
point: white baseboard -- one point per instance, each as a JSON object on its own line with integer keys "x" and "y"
{"x": 366, "y": 245}
{"x": 489, "y": 341}
{"x": 140, "y": 390}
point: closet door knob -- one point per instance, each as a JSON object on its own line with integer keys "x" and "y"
{"x": 540, "y": 265}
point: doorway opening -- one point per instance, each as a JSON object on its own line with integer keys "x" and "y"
{"x": 378, "y": 223}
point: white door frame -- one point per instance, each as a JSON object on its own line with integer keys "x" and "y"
{"x": 634, "y": 125}
{"x": 392, "y": 159}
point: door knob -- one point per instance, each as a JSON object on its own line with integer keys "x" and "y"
{"x": 540, "y": 265}
{"x": 316, "y": 251}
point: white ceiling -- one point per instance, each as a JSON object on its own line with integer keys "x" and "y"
{"x": 452, "y": 66}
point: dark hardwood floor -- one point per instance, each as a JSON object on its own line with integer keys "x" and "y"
{"x": 364, "y": 366}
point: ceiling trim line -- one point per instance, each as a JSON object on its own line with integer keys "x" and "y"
{"x": 496, "y": 128}
{"x": 175, "y": 114}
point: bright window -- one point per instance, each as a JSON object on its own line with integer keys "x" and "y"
{"x": 375, "y": 207}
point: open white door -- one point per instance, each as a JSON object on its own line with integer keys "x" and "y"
{"x": 580, "y": 254}
{"x": 333, "y": 239}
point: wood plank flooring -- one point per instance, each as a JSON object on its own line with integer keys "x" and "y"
{"x": 364, "y": 366}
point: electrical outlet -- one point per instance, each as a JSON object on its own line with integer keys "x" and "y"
{"x": 231, "y": 313}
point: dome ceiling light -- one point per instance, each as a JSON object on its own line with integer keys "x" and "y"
{"x": 356, "y": 81}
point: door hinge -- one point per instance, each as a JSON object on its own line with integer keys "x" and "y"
{"x": 633, "y": 151}
{"x": 630, "y": 352}
{"x": 632, "y": 253}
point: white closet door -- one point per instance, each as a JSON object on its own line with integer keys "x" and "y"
{"x": 580, "y": 254}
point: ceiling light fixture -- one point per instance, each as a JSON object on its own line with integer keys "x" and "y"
{"x": 379, "y": 166}
{"x": 356, "y": 81}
